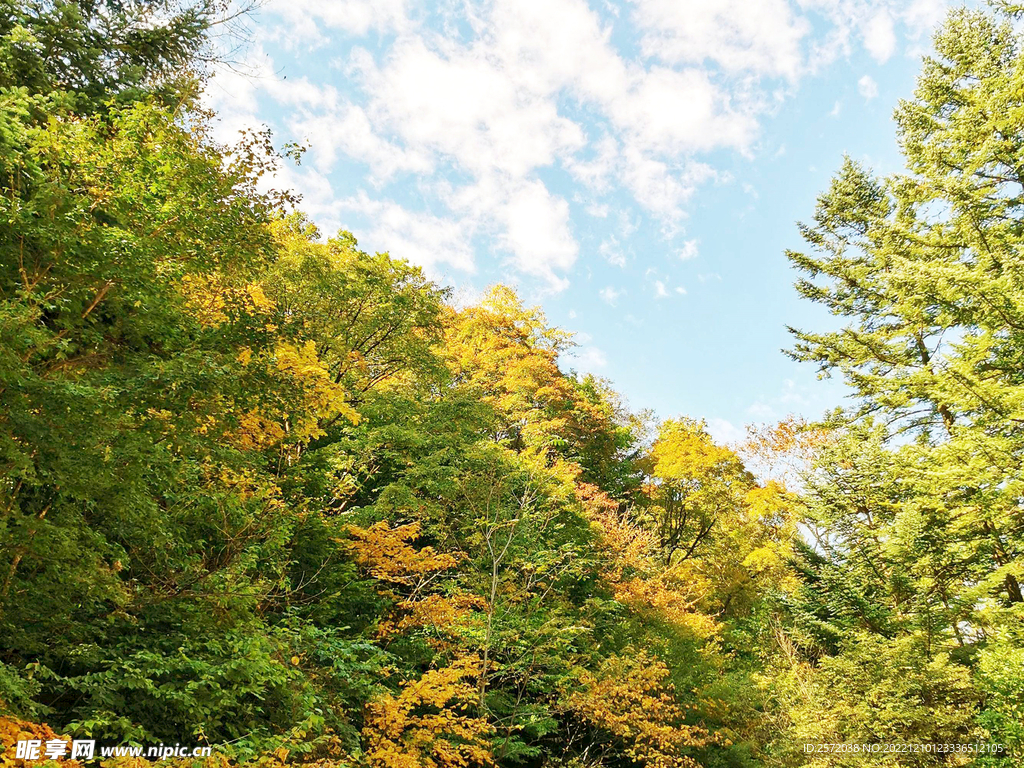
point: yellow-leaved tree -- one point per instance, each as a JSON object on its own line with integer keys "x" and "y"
{"x": 630, "y": 700}
{"x": 428, "y": 724}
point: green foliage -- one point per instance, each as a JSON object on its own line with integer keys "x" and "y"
{"x": 909, "y": 602}
{"x": 1000, "y": 671}
{"x": 85, "y": 52}
{"x": 878, "y": 691}
{"x": 268, "y": 491}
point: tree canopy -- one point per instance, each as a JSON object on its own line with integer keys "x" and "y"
{"x": 263, "y": 490}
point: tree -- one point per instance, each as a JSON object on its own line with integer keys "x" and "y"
{"x": 630, "y": 700}
{"x": 424, "y": 727}
{"x": 84, "y": 53}
{"x": 696, "y": 484}
{"x": 916, "y": 509}
{"x": 921, "y": 266}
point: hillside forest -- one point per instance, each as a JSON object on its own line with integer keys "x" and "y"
{"x": 262, "y": 490}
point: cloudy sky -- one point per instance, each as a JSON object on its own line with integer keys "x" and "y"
{"x": 637, "y": 167}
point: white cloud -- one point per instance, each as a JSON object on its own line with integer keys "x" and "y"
{"x": 304, "y": 21}
{"x": 422, "y": 238}
{"x": 525, "y": 221}
{"x": 879, "y": 35}
{"x": 774, "y": 38}
{"x": 725, "y": 432}
{"x": 610, "y": 295}
{"x": 611, "y": 249}
{"x": 588, "y": 359}
{"x": 762, "y": 412}
{"x": 482, "y": 114}
{"x": 671, "y": 112}
{"x": 867, "y": 87}
{"x": 873, "y": 24}
{"x": 349, "y": 131}
{"x": 234, "y": 95}
{"x": 595, "y": 170}
{"x": 490, "y": 108}
{"x": 660, "y": 291}
{"x": 689, "y": 250}
{"x": 465, "y": 105}
{"x": 762, "y": 37}
{"x": 537, "y": 232}
{"x": 659, "y": 187}
{"x": 921, "y": 16}
{"x": 317, "y": 196}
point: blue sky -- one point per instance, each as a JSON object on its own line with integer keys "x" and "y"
{"x": 637, "y": 168}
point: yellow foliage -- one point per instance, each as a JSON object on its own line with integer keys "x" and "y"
{"x": 315, "y": 397}
{"x": 684, "y": 450}
{"x": 248, "y": 484}
{"x": 258, "y": 299}
{"x": 255, "y": 432}
{"x": 781, "y": 451}
{"x": 205, "y": 299}
{"x": 772, "y": 516}
{"x": 13, "y": 730}
{"x": 323, "y": 398}
{"x": 672, "y": 600}
{"x": 441, "y": 615}
{"x": 212, "y": 301}
{"x": 720, "y": 531}
{"x": 330, "y": 753}
{"x": 631, "y": 698}
{"x": 632, "y": 567}
{"x": 427, "y": 725}
{"x": 509, "y": 355}
{"x": 389, "y": 556}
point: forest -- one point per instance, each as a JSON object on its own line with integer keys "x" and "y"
{"x": 262, "y": 490}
